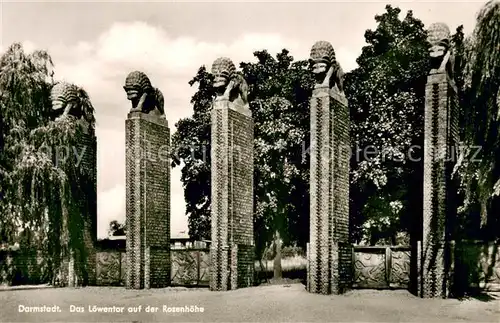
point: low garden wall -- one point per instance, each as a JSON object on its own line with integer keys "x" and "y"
{"x": 189, "y": 263}
{"x": 381, "y": 266}
{"x": 190, "y": 267}
{"x": 477, "y": 265}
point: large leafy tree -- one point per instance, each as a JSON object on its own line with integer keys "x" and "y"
{"x": 386, "y": 96}
{"x": 42, "y": 189}
{"x": 191, "y": 147}
{"x": 278, "y": 93}
{"x": 25, "y": 82}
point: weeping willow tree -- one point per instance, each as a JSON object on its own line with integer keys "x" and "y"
{"x": 480, "y": 174}
{"x": 25, "y": 83}
{"x": 42, "y": 186}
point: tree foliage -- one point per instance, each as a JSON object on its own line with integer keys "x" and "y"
{"x": 480, "y": 93}
{"x": 117, "y": 229}
{"x": 24, "y": 102}
{"x": 191, "y": 146}
{"x": 41, "y": 190}
{"x": 278, "y": 94}
{"x": 386, "y": 97}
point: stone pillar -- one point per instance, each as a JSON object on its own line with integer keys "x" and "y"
{"x": 330, "y": 258}
{"x": 78, "y": 264}
{"x": 80, "y": 267}
{"x": 232, "y": 247}
{"x": 88, "y": 151}
{"x": 148, "y": 201}
{"x": 439, "y": 150}
{"x": 441, "y": 137}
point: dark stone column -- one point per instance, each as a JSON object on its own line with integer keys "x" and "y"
{"x": 232, "y": 253}
{"x": 88, "y": 150}
{"x": 148, "y": 201}
{"x": 439, "y": 155}
{"x": 232, "y": 248}
{"x": 78, "y": 263}
{"x": 329, "y": 251}
{"x": 440, "y": 139}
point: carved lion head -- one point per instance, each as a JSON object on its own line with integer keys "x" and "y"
{"x": 63, "y": 93}
{"x": 136, "y": 84}
{"x": 438, "y": 37}
{"x": 322, "y": 57}
{"x": 223, "y": 70}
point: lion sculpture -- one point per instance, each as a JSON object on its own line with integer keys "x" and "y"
{"x": 70, "y": 100}
{"x": 326, "y": 69}
{"x": 441, "y": 55}
{"x": 144, "y": 97}
{"x": 228, "y": 83}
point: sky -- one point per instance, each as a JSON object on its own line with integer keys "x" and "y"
{"x": 96, "y": 44}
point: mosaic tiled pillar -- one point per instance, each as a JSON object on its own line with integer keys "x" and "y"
{"x": 330, "y": 258}
{"x": 441, "y": 134}
{"x": 232, "y": 248}
{"x": 88, "y": 151}
{"x": 78, "y": 267}
{"x": 148, "y": 201}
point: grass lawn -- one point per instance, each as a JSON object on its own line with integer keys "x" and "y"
{"x": 256, "y": 304}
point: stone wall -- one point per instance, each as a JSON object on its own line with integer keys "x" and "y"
{"x": 477, "y": 266}
{"x": 189, "y": 267}
{"x": 111, "y": 262}
{"x": 381, "y": 266}
{"x": 110, "y": 269}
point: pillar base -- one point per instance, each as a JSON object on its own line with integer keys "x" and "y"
{"x": 436, "y": 271}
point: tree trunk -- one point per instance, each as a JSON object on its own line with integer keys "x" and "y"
{"x": 278, "y": 273}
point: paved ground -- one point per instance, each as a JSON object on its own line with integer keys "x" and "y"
{"x": 258, "y": 304}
